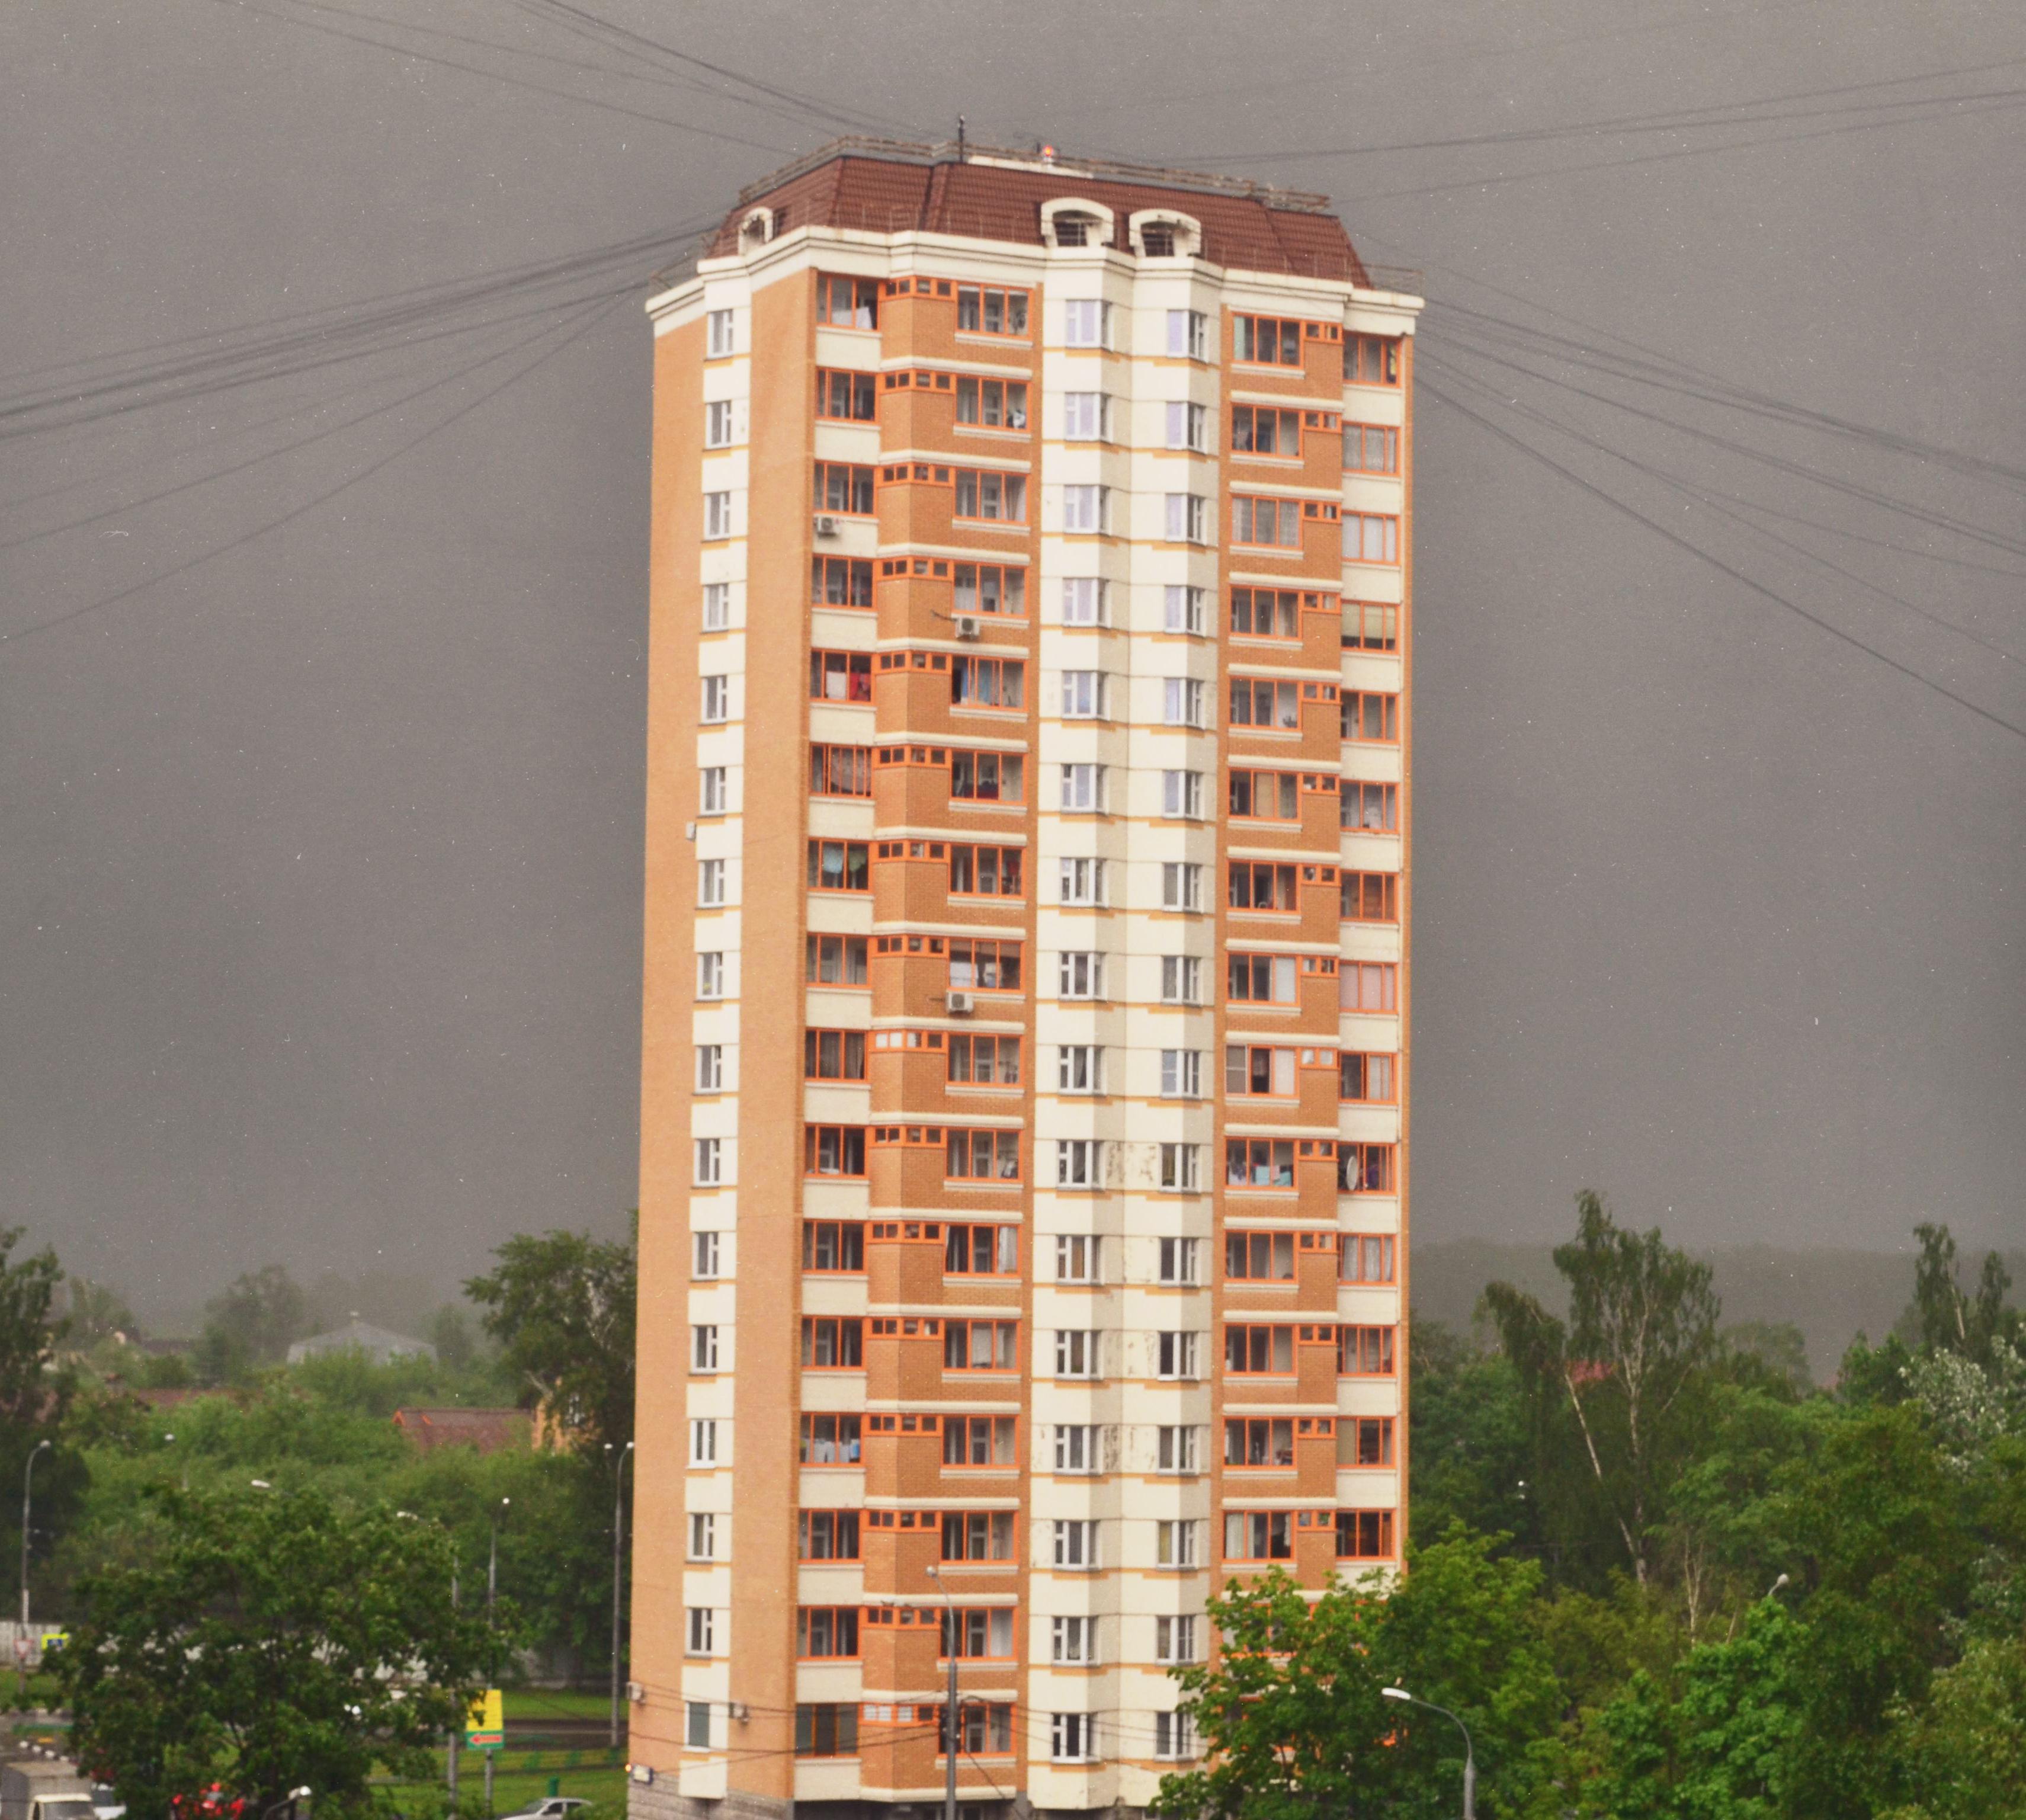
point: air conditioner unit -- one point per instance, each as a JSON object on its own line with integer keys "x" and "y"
{"x": 957, "y": 1003}
{"x": 826, "y": 525}
{"x": 967, "y": 626}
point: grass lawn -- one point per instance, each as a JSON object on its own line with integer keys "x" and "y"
{"x": 516, "y": 1788}
{"x": 547, "y": 1703}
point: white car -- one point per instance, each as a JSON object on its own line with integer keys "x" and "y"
{"x": 555, "y": 1807}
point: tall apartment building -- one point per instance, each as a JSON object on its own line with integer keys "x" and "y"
{"x": 1023, "y": 1181}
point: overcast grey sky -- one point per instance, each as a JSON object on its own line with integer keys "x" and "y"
{"x": 319, "y": 917}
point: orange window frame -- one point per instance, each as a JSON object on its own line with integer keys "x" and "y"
{"x": 995, "y": 1144}
{"x": 815, "y": 947}
{"x": 1366, "y": 1352}
{"x": 855, "y": 296}
{"x": 1277, "y": 693}
{"x": 1369, "y": 896}
{"x": 1365, "y": 806}
{"x": 844, "y": 1335}
{"x": 1246, "y": 1249}
{"x": 850, "y": 1141}
{"x": 1376, "y": 993}
{"x": 1378, "y": 625}
{"x": 1245, "y": 509}
{"x": 1250, "y": 1051}
{"x": 844, "y": 1238}
{"x": 854, "y": 667}
{"x": 1245, "y": 423}
{"x": 1363, "y": 1070}
{"x": 1284, "y": 334}
{"x": 1001, "y": 1340}
{"x": 1009, "y": 868}
{"x": 851, "y": 480}
{"x": 843, "y": 1434}
{"x": 1371, "y": 1534}
{"x": 1389, "y": 448}
{"x": 1360, "y": 1249}
{"x": 1001, "y": 298}
{"x": 962, "y": 1236}
{"x": 1258, "y": 1338}
{"x": 841, "y": 1521}
{"x": 1008, "y": 677}
{"x": 853, "y": 859}
{"x": 1250, "y": 790}
{"x": 975, "y": 948}
{"x": 1008, "y": 1065}
{"x": 1245, "y": 1157}
{"x": 817, "y": 1039}
{"x": 845, "y": 395}
{"x": 1366, "y": 1169}
{"x": 840, "y": 770}
{"x": 1013, "y": 492}
{"x": 1235, "y": 957}
{"x": 1355, "y": 707}
{"x": 1371, "y": 359}
{"x": 1372, "y": 1434}
{"x": 1276, "y": 874}
{"x": 1248, "y": 1430}
{"x": 1007, "y": 772}
{"x": 837, "y": 1622}
{"x": 1282, "y": 606}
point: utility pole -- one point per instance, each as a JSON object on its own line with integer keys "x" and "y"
{"x": 491, "y": 1592}
{"x": 618, "y": 1556}
{"x": 950, "y": 1733}
{"x": 27, "y": 1496}
{"x": 457, "y": 1726}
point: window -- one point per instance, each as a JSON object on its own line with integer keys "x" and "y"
{"x": 840, "y": 771}
{"x": 1188, "y": 426}
{"x": 1084, "y": 508}
{"x": 847, "y": 303}
{"x": 971, "y": 1154}
{"x": 696, "y": 1725}
{"x": 716, "y": 515}
{"x": 985, "y": 871}
{"x": 703, "y": 1443}
{"x": 1181, "y": 794}
{"x": 1259, "y": 885}
{"x": 835, "y": 960}
{"x": 982, "y": 311}
{"x": 717, "y": 424}
{"x": 1371, "y": 448}
{"x": 1369, "y": 896}
{"x": 710, "y": 883}
{"x": 1177, "y": 1260}
{"x": 1077, "y": 1257}
{"x": 1176, "y": 1450}
{"x": 1188, "y": 334}
{"x": 1080, "y": 975}
{"x": 1371, "y": 625}
{"x": 980, "y": 1346}
{"x": 702, "y": 1631}
{"x": 989, "y": 494}
{"x": 830, "y": 1440}
{"x": 1086, "y": 417}
{"x": 833, "y": 1245}
{"x": 1258, "y": 1162}
{"x": 1174, "y": 1737}
{"x": 1371, "y": 360}
{"x": 1256, "y": 702}
{"x": 1182, "y": 979}
{"x": 704, "y": 1250}
{"x": 1366, "y": 1257}
{"x": 839, "y": 866}
{"x": 840, "y": 486}
{"x": 834, "y": 1150}
{"x": 1086, "y": 323}
{"x": 1175, "y": 1639}
{"x": 703, "y": 1536}
{"x": 1266, "y": 613}
{"x": 985, "y": 1061}
{"x": 1262, "y": 978}
{"x": 1175, "y": 1354}
{"x": 1182, "y": 1074}
{"x": 1075, "y": 1544}
{"x": 1076, "y": 1446}
{"x": 833, "y": 1342}
{"x": 1275, "y": 522}
{"x": 977, "y": 1631}
{"x": 703, "y": 1349}
{"x": 716, "y": 700}
{"x": 710, "y": 975}
{"x": 716, "y": 605}
{"x": 1083, "y": 788}
{"x": 1082, "y": 601}
{"x": 983, "y": 966}
{"x": 1082, "y": 882}
{"x": 1182, "y": 609}
{"x": 1254, "y": 1351}
{"x": 977, "y": 1535}
{"x": 1259, "y": 1257}
{"x": 1073, "y": 1640}
{"x": 1258, "y": 1535}
{"x": 1076, "y": 1352}
{"x": 1073, "y": 1737}
{"x": 1181, "y": 1168}
{"x": 1181, "y": 885}
{"x": 840, "y": 675}
{"x": 1079, "y": 1068}
{"x": 1187, "y": 518}
{"x": 1182, "y": 702}
{"x": 1266, "y": 341}
{"x": 709, "y": 1162}
{"x": 1362, "y": 715}
{"x": 976, "y": 1250}
{"x": 1175, "y": 1544}
{"x": 719, "y": 322}
{"x": 1260, "y": 1443}
{"x": 1157, "y": 240}
{"x": 829, "y": 1729}
{"x": 712, "y": 791}
{"x": 710, "y": 1067}
{"x": 1365, "y": 1077}
{"x": 978, "y": 1440}
{"x": 987, "y": 682}
{"x": 992, "y": 403}
{"x": 1254, "y": 1070}
{"x": 829, "y": 1535}
{"x": 1365, "y": 1440}
{"x": 1368, "y": 807}
{"x": 827, "y": 1631}
{"x": 840, "y": 581}
{"x": 1266, "y": 795}
{"x": 1079, "y": 1162}
{"x": 845, "y": 396}
{"x": 983, "y": 1728}
{"x": 1258, "y": 430}
{"x": 1368, "y": 986}
{"x": 1364, "y": 1352}
{"x": 1364, "y": 1535}
{"x": 990, "y": 587}
{"x": 1371, "y": 537}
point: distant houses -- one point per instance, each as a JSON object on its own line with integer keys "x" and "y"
{"x": 375, "y": 1342}
{"x": 489, "y": 1431}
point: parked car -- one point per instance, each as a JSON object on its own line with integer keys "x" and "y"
{"x": 555, "y": 1807}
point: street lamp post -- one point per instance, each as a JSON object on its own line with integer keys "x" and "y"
{"x": 27, "y": 1497}
{"x": 949, "y": 1708}
{"x": 289, "y": 1801}
{"x": 618, "y": 1532}
{"x": 1469, "y": 1756}
{"x": 491, "y": 1592}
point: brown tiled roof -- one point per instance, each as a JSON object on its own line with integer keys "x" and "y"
{"x": 489, "y": 1430}
{"x": 1253, "y": 232}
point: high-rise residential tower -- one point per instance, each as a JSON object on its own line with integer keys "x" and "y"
{"x": 1024, "y": 1160}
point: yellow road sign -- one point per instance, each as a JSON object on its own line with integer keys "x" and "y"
{"x": 485, "y": 1725}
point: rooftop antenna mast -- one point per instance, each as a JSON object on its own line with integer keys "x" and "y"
{"x": 960, "y": 138}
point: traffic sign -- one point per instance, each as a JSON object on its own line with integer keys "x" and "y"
{"x": 485, "y": 1725}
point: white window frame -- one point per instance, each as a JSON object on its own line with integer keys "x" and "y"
{"x": 1182, "y": 1074}
{"x": 711, "y": 880}
{"x": 1077, "y": 1445}
{"x": 710, "y": 1067}
{"x": 1174, "y": 1738}
{"x": 717, "y": 423}
{"x": 1080, "y": 968}
{"x": 713, "y": 789}
{"x": 1178, "y": 1355}
{"x": 703, "y": 1441}
{"x": 722, "y": 329}
{"x": 1080, "y": 1162}
{"x": 710, "y": 975}
{"x": 1082, "y": 882}
{"x": 706, "y": 1256}
{"x": 1189, "y": 425}
{"x": 1182, "y": 609}
{"x": 1175, "y": 1638}
{"x": 1083, "y": 789}
{"x": 716, "y": 605}
{"x": 716, "y": 517}
{"x": 1178, "y": 1448}
{"x": 1073, "y": 1543}
{"x": 1181, "y": 885}
{"x": 1181, "y": 1168}
{"x": 703, "y": 1535}
{"x": 1182, "y": 794}
{"x": 1084, "y": 693}
{"x": 1086, "y": 417}
{"x": 704, "y": 1347}
{"x": 1078, "y": 1355}
{"x": 1182, "y": 979}
{"x": 1086, "y": 323}
{"x": 709, "y": 1163}
{"x": 716, "y": 701}
{"x": 1086, "y": 600}
{"x": 1079, "y": 1068}
{"x": 1175, "y": 1543}
{"x": 1085, "y": 510}
{"x": 1078, "y": 1257}
{"x": 1179, "y": 1259}
{"x": 1187, "y": 518}
{"x": 700, "y": 1633}
{"x": 1188, "y": 335}
{"x": 1073, "y": 1639}
{"x": 1182, "y": 699}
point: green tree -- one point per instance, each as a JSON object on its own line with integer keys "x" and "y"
{"x": 1641, "y": 1331}
{"x": 97, "y": 1314}
{"x": 251, "y": 1324}
{"x": 265, "y": 1640}
{"x": 1965, "y": 1751}
{"x": 1470, "y": 1441}
{"x": 561, "y": 1306}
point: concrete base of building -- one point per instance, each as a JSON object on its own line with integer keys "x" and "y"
{"x": 655, "y": 1801}
{"x": 650, "y": 1801}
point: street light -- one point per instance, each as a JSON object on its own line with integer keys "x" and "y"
{"x": 27, "y": 1494}
{"x": 492, "y": 1588}
{"x": 950, "y": 1712}
{"x": 1469, "y": 1757}
{"x": 288, "y": 1801}
{"x": 618, "y": 1521}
